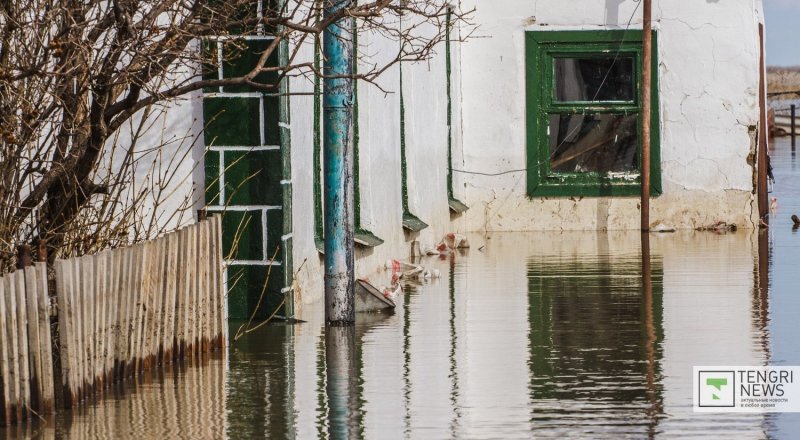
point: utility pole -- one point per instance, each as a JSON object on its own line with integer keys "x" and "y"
{"x": 763, "y": 138}
{"x": 337, "y": 113}
{"x": 647, "y": 83}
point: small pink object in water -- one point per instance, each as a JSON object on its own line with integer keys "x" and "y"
{"x": 773, "y": 204}
{"x": 392, "y": 292}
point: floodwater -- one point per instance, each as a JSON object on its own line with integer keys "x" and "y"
{"x": 524, "y": 336}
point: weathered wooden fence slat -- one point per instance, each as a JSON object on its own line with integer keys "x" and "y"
{"x": 9, "y": 398}
{"x": 214, "y": 306}
{"x": 129, "y": 328}
{"x": 22, "y": 323}
{"x": 193, "y": 293}
{"x": 203, "y": 262}
{"x": 26, "y": 369}
{"x": 13, "y": 344}
{"x": 30, "y": 292}
{"x": 120, "y": 313}
{"x": 46, "y": 347}
{"x": 117, "y": 300}
{"x": 99, "y": 325}
{"x": 180, "y": 296}
{"x": 170, "y": 297}
{"x": 219, "y": 291}
{"x": 63, "y": 289}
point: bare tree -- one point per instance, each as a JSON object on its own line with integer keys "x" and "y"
{"x": 81, "y": 81}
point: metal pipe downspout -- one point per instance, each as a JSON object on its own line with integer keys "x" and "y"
{"x": 337, "y": 111}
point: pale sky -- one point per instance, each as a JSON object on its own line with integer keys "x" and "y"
{"x": 783, "y": 32}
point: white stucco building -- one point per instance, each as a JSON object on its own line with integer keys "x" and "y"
{"x": 531, "y": 124}
{"x": 507, "y": 112}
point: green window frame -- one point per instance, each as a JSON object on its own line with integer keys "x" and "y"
{"x": 542, "y": 49}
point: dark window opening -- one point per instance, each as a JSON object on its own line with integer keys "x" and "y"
{"x": 594, "y": 79}
{"x": 593, "y": 143}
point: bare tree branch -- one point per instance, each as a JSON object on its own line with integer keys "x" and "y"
{"x": 83, "y": 82}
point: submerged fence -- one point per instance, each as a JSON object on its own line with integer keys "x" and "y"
{"x": 120, "y": 312}
{"x": 26, "y": 360}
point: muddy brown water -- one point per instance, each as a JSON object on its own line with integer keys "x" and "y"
{"x": 535, "y": 335}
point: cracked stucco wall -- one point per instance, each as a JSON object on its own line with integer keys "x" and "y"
{"x": 708, "y": 87}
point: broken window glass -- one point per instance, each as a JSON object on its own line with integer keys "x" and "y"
{"x": 594, "y": 79}
{"x": 602, "y": 143}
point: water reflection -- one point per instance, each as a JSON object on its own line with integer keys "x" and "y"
{"x": 183, "y": 402}
{"x": 651, "y": 343}
{"x": 534, "y": 335}
{"x": 596, "y": 331}
{"x": 260, "y": 385}
{"x": 342, "y": 387}
{"x": 781, "y": 304}
{"x": 761, "y": 290}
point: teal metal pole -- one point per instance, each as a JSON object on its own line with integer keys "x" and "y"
{"x": 338, "y": 167}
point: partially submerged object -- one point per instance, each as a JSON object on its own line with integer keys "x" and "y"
{"x": 447, "y": 244}
{"x": 796, "y": 221}
{"x": 455, "y": 241}
{"x": 393, "y": 291}
{"x": 408, "y": 271}
{"x": 370, "y": 299}
{"x": 661, "y": 227}
{"x": 782, "y": 125}
{"x": 719, "y": 227}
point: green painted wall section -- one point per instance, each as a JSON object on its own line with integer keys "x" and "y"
{"x": 248, "y": 179}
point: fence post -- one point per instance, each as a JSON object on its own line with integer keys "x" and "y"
{"x": 41, "y": 250}
{"x": 24, "y": 258}
{"x": 794, "y": 133}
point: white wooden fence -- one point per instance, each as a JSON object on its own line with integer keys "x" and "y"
{"x": 120, "y": 312}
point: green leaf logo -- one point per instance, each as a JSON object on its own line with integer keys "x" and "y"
{"x": 717, "y": 383}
